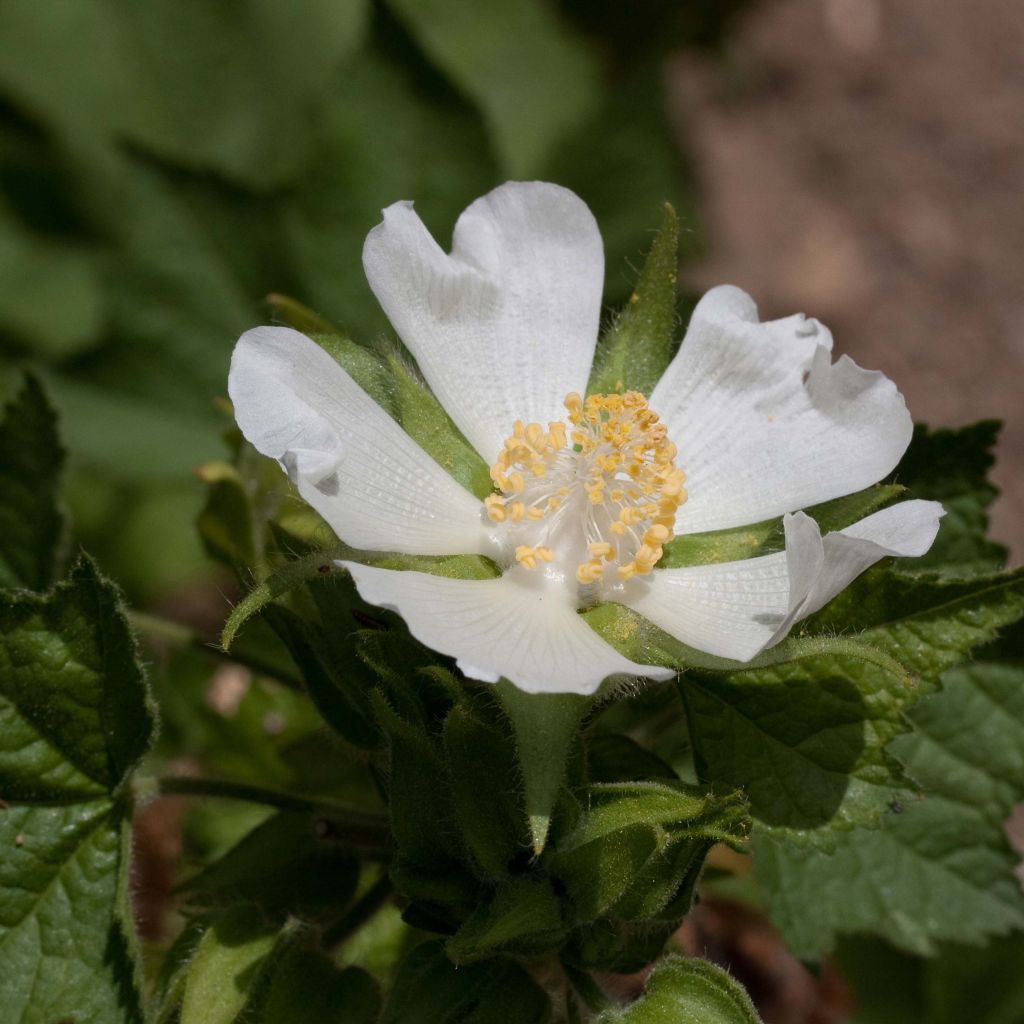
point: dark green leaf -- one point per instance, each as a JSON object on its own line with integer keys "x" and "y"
{"x": 687, "y": 991}
{"x": 523, "y": 916}
{"x": 638, "y": 346}
{"x": 951, "y": 466}
{"x": 612, "y": 757}
{"x": 940, "y": 867}
{"x": 430, "y": 989}
{"x": 31, "y": 458}
{"x": 76, "y": 718}
{"x": 291, "y": 863}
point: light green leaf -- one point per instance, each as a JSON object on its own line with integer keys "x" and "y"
{"x": 232, "y": 961}
{"x": 687, "y": 991}
{"x": 530, "y": 77}
{"x": 76, "y": 718}
{"x": 31, "y": 458}
{"x": 638, "y": 346}
{"x": 940, "y": 867}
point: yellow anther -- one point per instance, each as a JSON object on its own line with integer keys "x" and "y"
{"x": 657, "y": 535}
{"x": 516, "y": 511}
{"x": 535, "y": 512}
{"x": 495, "y": 506}
{"x": 516, "y": 482}
{"x": 545, "y": 554}
{"x": 526, "y": 556}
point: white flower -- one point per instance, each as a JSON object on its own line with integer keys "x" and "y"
{"x": 754, "y": 416}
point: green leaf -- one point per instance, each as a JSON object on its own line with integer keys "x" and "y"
{"x": 76, "y": 718}
{"x": 430, "y": 989}
{"x": 531, "y": 78}
{"x": 290, "y": 864}
{"x": 31, "y": 458}
{"x": 951, "y": 466}
{"x": 687, "y": 991}
{"x": 545, "y": 726}
{"x": 638, "y": 346}
{"x": 481, "y": 761}
{"x": 523, "y": 916}
{"x": 940, "y": 867}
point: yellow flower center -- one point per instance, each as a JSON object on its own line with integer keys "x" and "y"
{"x": 605, "y": 495}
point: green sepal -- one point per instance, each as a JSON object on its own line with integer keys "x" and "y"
{"x": 429, "y": 988}
{"x": 545, "y": 725}
{"x": 523, "y": 916}
{"x": 488, "y": 807}
{"x": 31, "y": 460}
{"x": 687, "y": 991}
{"x": 768, "y": 536}
{"x": 639, "y": 846}
{"x": 638, "y": 346}
{"x": 419, "y": 791}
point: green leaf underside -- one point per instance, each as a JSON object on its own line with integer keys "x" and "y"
{"x": 940, "y": 866}
{"x": 31, "y": 458}
{"x": 638, "y": 346}
{"x": 687, "y": 991}
{"x": 74, "y": 719}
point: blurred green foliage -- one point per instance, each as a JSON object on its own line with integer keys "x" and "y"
{"x": 165, "y": 165}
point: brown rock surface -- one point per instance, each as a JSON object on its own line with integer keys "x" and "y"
{"x": 863, "y": 161}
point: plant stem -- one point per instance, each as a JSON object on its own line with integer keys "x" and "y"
{"x": 359, "y": 913}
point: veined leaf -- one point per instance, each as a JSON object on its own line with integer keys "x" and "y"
{"x": 940, "y": 867}
{"x": 76, "y": 718}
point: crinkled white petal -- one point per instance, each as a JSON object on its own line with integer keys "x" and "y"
{"x": 375, "y": 487}
{"x": 764, "y": 421}
{"x": 737, "y": 609}
{"x": 521, "y": 627}
{"x": 504, "y": 327}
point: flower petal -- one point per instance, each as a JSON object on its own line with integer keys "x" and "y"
{"x": 737, "y": 609}
{"x": 349, "y": 459}
{"x": 765, "y": 423}
{"x": 521, "y": 627}
{"x": 504, "y": 327}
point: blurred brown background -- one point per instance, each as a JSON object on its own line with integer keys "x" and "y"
{"x": 863, "y": 161}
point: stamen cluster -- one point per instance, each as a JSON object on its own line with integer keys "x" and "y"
{"x": 614, "y": 477}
